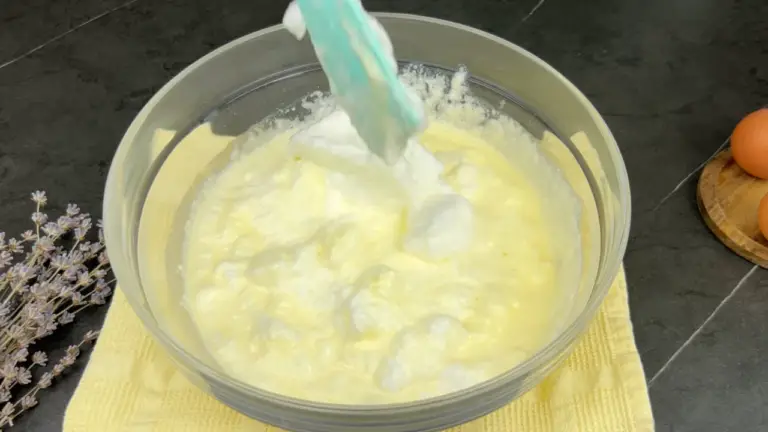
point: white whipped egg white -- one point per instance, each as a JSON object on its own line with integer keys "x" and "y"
{"x": 315, "y": 270}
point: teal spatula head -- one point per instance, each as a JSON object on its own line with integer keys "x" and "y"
{"x": 357, "y": 58}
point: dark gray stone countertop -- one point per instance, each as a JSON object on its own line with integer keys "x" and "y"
{"x": 671, "y": 77}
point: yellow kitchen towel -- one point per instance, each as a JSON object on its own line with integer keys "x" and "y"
{"x": 130, "y": 384}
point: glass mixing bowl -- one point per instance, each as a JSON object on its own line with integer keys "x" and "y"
{"x": 179, "y": 138}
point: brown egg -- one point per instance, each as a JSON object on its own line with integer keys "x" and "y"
{"x": 762, "y": 216}
{"x": 749, "y": 143}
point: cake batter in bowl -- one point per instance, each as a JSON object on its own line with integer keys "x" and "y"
{"x": 178, "y": 207}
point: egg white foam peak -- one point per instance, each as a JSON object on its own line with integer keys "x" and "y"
{"x": 315, "y": 270}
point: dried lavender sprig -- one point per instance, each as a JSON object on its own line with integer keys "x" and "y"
{"x": 11, "y": 410}
{"x": 63, "y": 282}
{"x": 50, "y": 274}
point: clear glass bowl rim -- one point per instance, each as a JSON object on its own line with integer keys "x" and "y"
{"x": 548, "y": 354}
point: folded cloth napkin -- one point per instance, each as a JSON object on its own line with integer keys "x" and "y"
{"x": 131, "y": 384}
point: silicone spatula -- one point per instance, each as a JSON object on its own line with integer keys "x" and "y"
{"x": 357, "y": 58}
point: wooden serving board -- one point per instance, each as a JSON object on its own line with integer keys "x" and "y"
{"x": 728, "y": 201}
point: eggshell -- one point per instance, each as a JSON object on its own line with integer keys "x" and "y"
{"x": 749, "y": 144}
{"x": 762, "y": 216}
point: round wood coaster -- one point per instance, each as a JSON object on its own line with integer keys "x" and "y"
{"x": 728, "y": 200}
